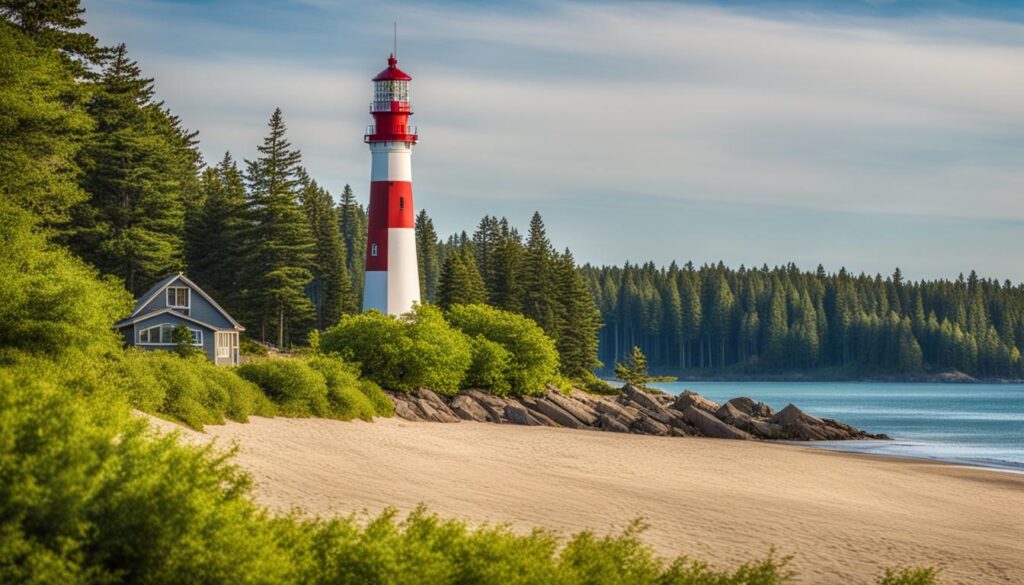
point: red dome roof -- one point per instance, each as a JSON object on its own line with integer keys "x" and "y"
{"x": 392, "y": 73}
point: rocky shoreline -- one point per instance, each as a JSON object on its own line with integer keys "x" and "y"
{"x": 632, "y": 411}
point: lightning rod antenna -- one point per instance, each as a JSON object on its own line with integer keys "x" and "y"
{"x": 395, "y": 38}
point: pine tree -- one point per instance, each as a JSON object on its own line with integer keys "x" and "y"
{"x": 216, "y": 231}
{"x": 426, "y": 252}
{"x": 454, "y": 286}
{"x": 56, "y": 24}
{"x": 332, "y": 286}
{"x": 536, "y": 290}
{"x": 43, "y": 124}
{"x": 505, "y": 267}
{"x": 353, "y": 225}
{"x": 577, "y": 333}
{"x": 282, "y": 246}
{"x": 475, "y": 292}
{"x": 138, "y": 167}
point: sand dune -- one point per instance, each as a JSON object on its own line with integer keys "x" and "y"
{"x": 842, "y": 515}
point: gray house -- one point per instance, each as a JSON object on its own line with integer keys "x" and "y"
{"x": 177, "y": 300}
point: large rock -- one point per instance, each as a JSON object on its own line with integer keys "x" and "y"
{"x": 466, "y": 408}
{"x": 730, "y": 414}
{"x": 750, "y": 408}
{"x": 800, "y": 426}
{"x": 649, "y": 426}
{"x": 640, "y": 397}
{"x": 433, "y": 407}
{"x": 709, "y": 426}
{"x": 576, "y": 408}
{"x": 556, "y": 413}
{"x": 531, "y": 403}
{"x": 627, "y": 415}
{"x": 517, "y": 414}
{"x": 688, "y": 399}
{"x": 610, "y": 423}
{"x": 494, "y": 406}
{"x": 406, "y": 410}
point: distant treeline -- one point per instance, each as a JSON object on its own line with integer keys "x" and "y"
{"x": 772, "y": 320}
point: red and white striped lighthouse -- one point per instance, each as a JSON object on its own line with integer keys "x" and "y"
{"x": 392, "y": 282}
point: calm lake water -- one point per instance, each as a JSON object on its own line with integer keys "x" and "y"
{"x": 975, "y": 424}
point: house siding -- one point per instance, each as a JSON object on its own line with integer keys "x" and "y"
{"x": 199, "y": 307}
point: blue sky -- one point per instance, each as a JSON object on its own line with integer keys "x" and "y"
{"x": 861, "y": 134}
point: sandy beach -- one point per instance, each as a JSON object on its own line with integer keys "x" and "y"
{"x": 843, "y": 516}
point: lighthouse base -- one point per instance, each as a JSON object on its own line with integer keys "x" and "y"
{"x": 394, "y": 291}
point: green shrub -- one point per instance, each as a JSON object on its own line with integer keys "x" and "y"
{"x": 250, "y": 348}
{"x": 88, "y": 495}
{"x": 490, "y": 367}
{"x": 343, "y": 393}
{"x": 190, "y": 389}
{"x": 418, "y": 349}
{"x": 909, "y": 576}
{"x": 534, "y": 359}
{"x": 382, "y": 403}
{"x": 296, "y": 388}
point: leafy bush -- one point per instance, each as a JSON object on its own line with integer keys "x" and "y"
{"x": 292, "y": 384}
{"x": 534, "y": 359}
{"x": 490, "y": 367}
{"x": 88, "y": 495}
{"x": 419, "y": 349}
{"x": 250, "y": 348}
{"x": 343, "y": 392}
{"x": 192, "y": 390}
{"x": 382, "y": 403}
{"x": 909, "y": 576}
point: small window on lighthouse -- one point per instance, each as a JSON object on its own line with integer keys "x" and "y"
{"x": 373, "y": 250}
{"x": 401, "y": 202}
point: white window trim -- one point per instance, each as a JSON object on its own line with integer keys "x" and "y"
{"x": 188, "y": 297}
{"x": 373, "y": 250}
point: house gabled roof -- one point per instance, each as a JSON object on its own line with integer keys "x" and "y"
{"x": 159, "y": 287}
{"x": 144, "y": 316}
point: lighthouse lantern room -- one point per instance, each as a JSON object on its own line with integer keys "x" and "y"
{"x": 392, "y": 283}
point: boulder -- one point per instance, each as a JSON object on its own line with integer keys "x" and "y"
{"x": 649, "y": 426}
{"x": 556, "y": 413}
{"x": 750, "y": 408}
{"x": 709, "y": 426}
{"x": 518, "y": 415}
{"x": 494, "y": 406}
{"x": 433, "y": 412}
{"x": 626, "y": 414}
{"x": 576, "y": 408}
{"x": 531, "y": 403}
{"x": 466, "y": 408}
{"x": 406, "y": 410}
{"x": 610, "y": 423}
{"x": 688, "y": 399}
{"x": 798, "y": 425}
{"x": 731, "y": 415}
{"x": 640, "y": 397}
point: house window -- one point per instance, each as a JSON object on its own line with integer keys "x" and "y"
{"x": 226, "y": 341}
{"x": 178, "y": 297}
{"x": 163, "y": 335}
{"x": 373, "y": 250}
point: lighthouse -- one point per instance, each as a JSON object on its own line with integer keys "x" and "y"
{"x": 392, "y": 283}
